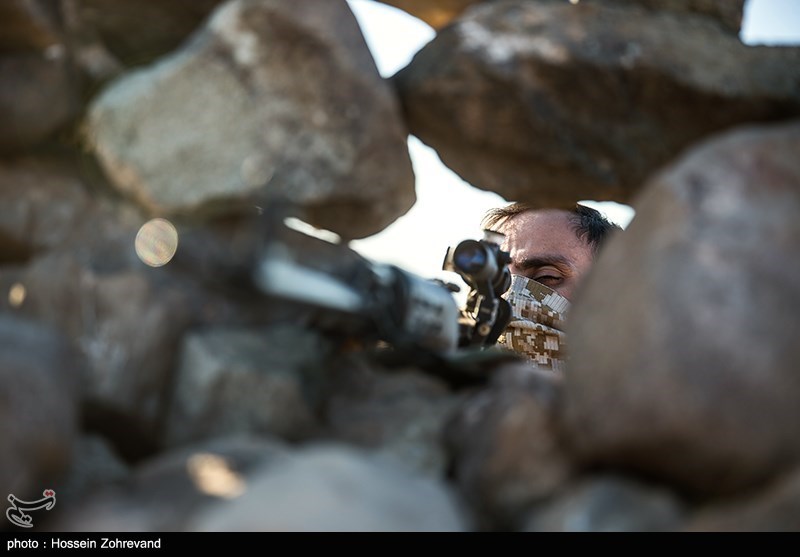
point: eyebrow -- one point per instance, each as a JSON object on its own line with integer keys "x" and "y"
{"x": 544, "y": 260}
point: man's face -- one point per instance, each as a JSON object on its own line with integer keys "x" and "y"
{"x": 545, "y": 248}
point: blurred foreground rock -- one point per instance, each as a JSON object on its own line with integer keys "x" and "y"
{"x": 697, "y": 353}
{"x": 41, "y": 377}
{"x": 165, "y": 493}
{"x": 340, "y": 489}
{"x": 505, "y": 447}
{"x": 401, "y": 413}
{"x": 608, "y": 504}
{"x": 246, "y": 484}
{"x": 776, "y": 508}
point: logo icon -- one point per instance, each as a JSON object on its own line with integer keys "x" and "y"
{"x": 16, "y": 512}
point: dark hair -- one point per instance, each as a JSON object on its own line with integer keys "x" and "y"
{"x": 590, "y": 225}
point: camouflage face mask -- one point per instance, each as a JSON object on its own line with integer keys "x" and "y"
{"x": 537, "y": 323}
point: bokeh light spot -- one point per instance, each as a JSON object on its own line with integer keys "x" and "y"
{"x": 156, "y": 242}
{"x": 213, "y": 475}
{"x": 17, "y": 294}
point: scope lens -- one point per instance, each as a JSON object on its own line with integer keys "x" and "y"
{"x": 470, "y": 257}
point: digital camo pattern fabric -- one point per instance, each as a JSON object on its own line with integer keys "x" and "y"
{"x": 537, "y": 323}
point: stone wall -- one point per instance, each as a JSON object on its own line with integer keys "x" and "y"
{"x": 129, "y": 384}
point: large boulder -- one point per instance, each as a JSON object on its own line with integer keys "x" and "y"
{"x": 270, "y": 100}
{"x": 684, "y": 341}
{"x": 551, "y": 103}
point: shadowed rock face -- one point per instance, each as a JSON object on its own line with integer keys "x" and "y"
{"x": 505, "y": 448}
{"x": 137, "y": 32}
{"x": 269, "y": 100}
{"x": 551, "y": 103}
{"x": 684, "y": 361}
{"x": 42, "y": 376}
{"x": 774, "y": 509}
{"x": 38, "y": 97}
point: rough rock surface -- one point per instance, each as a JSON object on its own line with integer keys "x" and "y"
{"x": 551, "y": 103}
{"x": 269, "y": 100}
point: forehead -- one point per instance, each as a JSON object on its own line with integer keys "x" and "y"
{"x": 543, "y": 231}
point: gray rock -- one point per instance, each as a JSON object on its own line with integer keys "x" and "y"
{"x": 609, "y": 504}
{"x": 776, "y": 508}
{"x": 269, "y": 100}
{"x": 400, "y": 413}
{"x": 42, "y": 202}
{"x": 505, "y": 446}
{"x": 335, "y": 488}
{"x": 41, "y": 376}
{"x": 164, "y": 493}
{"x": 551, "y": 103}
{"x": 684, "y": 341}
{"x": 247, "y": 381}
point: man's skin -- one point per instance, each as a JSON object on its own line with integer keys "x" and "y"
{"x": 545, "y": 248}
